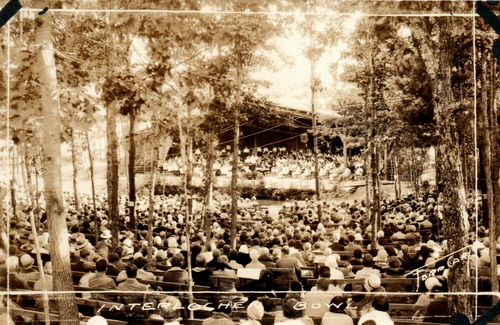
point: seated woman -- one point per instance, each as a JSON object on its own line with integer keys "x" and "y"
{"x": 379, "y": 312}
{"x": 225, "y": 271}
{"x": 176, "y": 273}
{"x": 336, "y": 314}
{"x": 293, "y": 312}
{"x": 432, "y": 306}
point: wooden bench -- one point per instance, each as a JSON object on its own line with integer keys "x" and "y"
{"x": 385, "y": 282}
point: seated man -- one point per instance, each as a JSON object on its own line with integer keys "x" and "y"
{"x": 320, "y": 297}
{"x": 367, "y": 269}
{"x": 101, "y": 280}
{"x": 176, "y": 273}
{"x": 131, "y": 284}
{"x": 199, "y": 273}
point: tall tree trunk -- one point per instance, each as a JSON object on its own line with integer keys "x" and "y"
{"x": 131, "y": 171}
{"x": 344, "y": 150}
{"x": 234, "y": 174}
{"x": 312, "y": 81}
{"x": 92, "y": 183}
{"x": 74, "y": 157}
{"x": 51, "y": 147}
{"x": 33, "y": 200}
{"x": 13, "y": 195}
{"x": 374, "y": 168}
{"x": 3, "y": 233}
{"x": 397, "y": 183}
{"x": 489, "y": 124}
{"x": 455, "y": 218}
{"x": 151, "y": 208}
{"x": 209, "y": 182}
{"x": 40, "y": 267}
{"x": 112, "y": 177}
{"x": 24, "y": 173}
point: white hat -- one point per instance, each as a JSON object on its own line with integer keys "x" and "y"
{"x": 255, "y": 310}
{"x": 97, "y": 320}
{"x": 106, "y": 233}
{"x": 331, "y": 261}
{"x": 432, "y": 282}
{"x": 372, "y": 282}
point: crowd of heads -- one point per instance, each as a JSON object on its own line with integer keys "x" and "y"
{"x": 409, "y": 238}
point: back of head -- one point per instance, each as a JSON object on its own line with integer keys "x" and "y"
{"x": 285, "y": 250}
{"x": 254, "y": 254}
{"x": 216, "y": 253}
{"x": 233, "y": 254}
{"x": 368, "y": 260}
{"x": 324, "y": 272}
{"x": 381, "y": 303}
{"x": 170, "y": 308}
{"x": 358, "y": 253}
{"x": 113, "y": 257}
{"x": 290, "y": 309}
{"x": 131, "y": 271}
{"x": 323, "y": 284}
{"x": 140, "y": 262}
{"x": 101, "y": 265}
{"x": 200, "y": 261}
{"x": 12, "y": 264}
{"x": 338, "y": 304}
{"x": 369, "y": 322}
{"x": 177, "y": 260}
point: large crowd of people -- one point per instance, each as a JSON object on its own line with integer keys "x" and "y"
{"x": 277, "y": 162}
{"x": 336, "y": 271}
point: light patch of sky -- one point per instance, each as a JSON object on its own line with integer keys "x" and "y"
{"x": 289, "y": 81}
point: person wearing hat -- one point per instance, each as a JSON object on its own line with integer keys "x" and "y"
{"x": 255, "y": 312}
{"x": 381, "y": 261}
{"x": 395, "y": 270}
{"x": 14, "y": 282}
{"x": 82, "y": 243}
{"x": 332, "y": 262}
{"x": 27, "y": 272}
{"x": 104, "y": 246}
{"x": 97, "y": 320}
{"x": 431, "y": 306}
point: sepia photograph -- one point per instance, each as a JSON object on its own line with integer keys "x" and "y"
{"x": 248, "y": 162}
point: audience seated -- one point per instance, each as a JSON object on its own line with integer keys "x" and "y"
{"x": 336, "y": 314}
